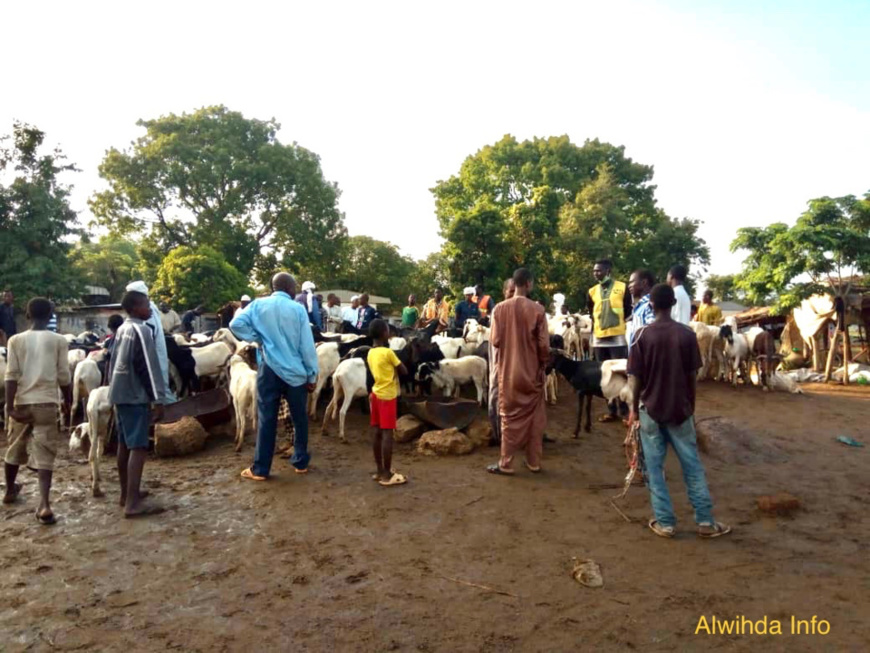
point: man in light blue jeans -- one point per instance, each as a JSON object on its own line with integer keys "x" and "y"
{"x": 662, "y": 367}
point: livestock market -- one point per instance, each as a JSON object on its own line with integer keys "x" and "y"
{"x": 506, "y": 401}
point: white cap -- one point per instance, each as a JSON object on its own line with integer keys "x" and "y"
{"x": 559, "y": 298}
{"x": 355, "y": 298}
{"x": 309, "y": 285}
{"x": 468, "y": 291}
{"x": 137, "y": 286}
{"x": 246, "y": 298}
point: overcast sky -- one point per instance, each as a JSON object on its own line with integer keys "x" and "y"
{"x": 745, "y": 109}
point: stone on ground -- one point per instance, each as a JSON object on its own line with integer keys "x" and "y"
{"x": 480, "y": 432}
{"x": 408, "y": 428}
{"x": 449, "y": 442}
{"x": 179, "y": 438}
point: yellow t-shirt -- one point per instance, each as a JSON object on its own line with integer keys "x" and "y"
{"x": 383, "y": 363}
{"x": 709, "y": 314}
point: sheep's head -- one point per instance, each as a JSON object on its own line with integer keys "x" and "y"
{"x": 79, "y": 438}
{"x": 556, "y": 355}
{"x": 727, "y": 333}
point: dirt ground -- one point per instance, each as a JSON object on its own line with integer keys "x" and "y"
{"x": 332, "y": 561}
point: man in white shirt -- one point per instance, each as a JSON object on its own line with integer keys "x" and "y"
{"x": 682, "y": 310}
{"x": 243, "y": 304}
{"x": 348, "y": 314}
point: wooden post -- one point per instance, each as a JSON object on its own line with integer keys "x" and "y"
{"x": 847, "y": 355}
{"x": 832, "y": 349}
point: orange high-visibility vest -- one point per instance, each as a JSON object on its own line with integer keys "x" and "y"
{"x": 482, "y": 303}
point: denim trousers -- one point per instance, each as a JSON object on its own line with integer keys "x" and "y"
{"x": 270, "y": 389}
{"x": 655, "y": 437}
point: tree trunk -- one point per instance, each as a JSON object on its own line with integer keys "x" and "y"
{"x": 847, "y": 355}
{"x": 832, "y": 350}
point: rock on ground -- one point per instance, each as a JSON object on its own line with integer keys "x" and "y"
{"x": 480, "y": 432}
{"x": 408, "y": 428}
{"x": 449, "y": 442}
{"x": 179, "y": 438}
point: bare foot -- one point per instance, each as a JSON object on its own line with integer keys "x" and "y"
{"x": 11, "y": 496}
{"x": 143, "y": 509}
{"x": 123, "y": 501}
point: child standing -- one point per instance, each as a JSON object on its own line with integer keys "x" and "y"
{"x": 37, "y": 364}
{"x": 384, "y": 364}
{"x": 135, "y": 382}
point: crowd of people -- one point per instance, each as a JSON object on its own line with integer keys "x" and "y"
{"x": 641, "y": 321}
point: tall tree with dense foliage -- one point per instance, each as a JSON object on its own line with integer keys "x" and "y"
{"x": 376, "y": 267}
{"x": 35, "y": 218}
{"x": 828, "y": 245}
{"x": 191, "y": 276}
{"x": 724, "y": 288}
{"x": 556, "y": 207}
{"x": 216, "y": 178}
{"x": 111, "y": 262}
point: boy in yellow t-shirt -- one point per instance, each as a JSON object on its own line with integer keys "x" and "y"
{"x": 384, "y": 364}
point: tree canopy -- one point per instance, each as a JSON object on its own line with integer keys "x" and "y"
{"x": 111, "y": 262}
{"x": 36, "y": 220}
{"x": 724, "y": 288}
{"x": 827, "y": 246}
{"x": 192, "y": 276}
{"x": 556, "y": 207}
{"x": 216, "y": 178}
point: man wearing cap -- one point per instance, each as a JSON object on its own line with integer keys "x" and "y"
{"x": 156, "y": 326}
{"x": 309, "y": 301}
{"x": 246, "y": 299}
{"x": 465, "y": 310}
{"x": 348, "y": 315}
{"x": 334, "y": 313}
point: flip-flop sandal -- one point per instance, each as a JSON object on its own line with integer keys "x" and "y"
{"x": 16, "y": 490}
{"x": 533, "y": 470}
{"x": 46, "y": 520}
{"x": 395, "y": 479}
{"x": 375, "y": 476}
{"x": 301, "y": 471}
{"x": 495, "y": 469}
{"x": 719, "y": 529}
{"x": 661, "y": 531}
{"x": 604, "y": 419}
{"x": 146, "y": 512}
{"x": 248, "y": 474}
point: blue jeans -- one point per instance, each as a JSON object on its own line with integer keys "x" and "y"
{"x": 655, "y": 437}
{"x": 270, "y": 389}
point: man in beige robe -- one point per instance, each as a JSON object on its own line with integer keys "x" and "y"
{"x": 521, "y": 339}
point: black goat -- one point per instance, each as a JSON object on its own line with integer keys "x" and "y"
{"x": 585, "y": 377}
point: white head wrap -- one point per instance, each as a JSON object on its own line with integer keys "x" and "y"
{"x": 308, "y": 285}
{"x": 137, "y": 286}
{"x": 246, "y": 298}
{"x": 355, "y": 298}
{"x": 469, "y": 290}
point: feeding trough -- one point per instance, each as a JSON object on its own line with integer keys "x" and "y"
{"x": 442, "y": 412}
{"x": 211, "y": 407}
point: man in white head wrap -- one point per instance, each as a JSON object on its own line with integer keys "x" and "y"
{"x": 246, "y": 299}
{"x": 309, "y": 301}
{"x": 558, "y": 303}
{"x": 159, "y": 339}
{"x": 465, "y": 310}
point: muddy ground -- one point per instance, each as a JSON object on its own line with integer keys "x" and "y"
{"x": 331, "y": 561}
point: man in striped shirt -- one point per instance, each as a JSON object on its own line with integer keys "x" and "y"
{"x": 639, "y": 285}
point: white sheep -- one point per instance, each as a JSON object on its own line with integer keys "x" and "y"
{"x": 451, "y": 374}
{"x": 474, "y": 332}
{"x": 397, "y": 344}
{"x": 348, "y": 382}
{"x": 211, "y": 360}
{"x": 711, "y": 345}
{"x": 614, "y": 381}
{"x": 453, "y": 348}
{"x": 243, "y": 392}
{"x": 199, "y": 338}
{"x": 86, "y": 379}
{"x": 99, "y": 414}
{"x": 74, "y": 357}
{"x": 551, "y": 388}
{"x": 181, "y": 340}
{"x": 784, "y": 383}
{"x": 736, "y": 352}
{"x": 328, "y": 360}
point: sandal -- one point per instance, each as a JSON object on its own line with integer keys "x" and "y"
{"x": 604, "y": 419}
{"x": 709, "y": 531}
{"x": 533, "y": 470}
{"x": 497, "y": 469}
{"x": 248, "y": 474}
{"x": 661, "y": 531}
{"x": 46, "y": 520}
{"x": 395, "y": 479}
{"x": 301, "y": 471}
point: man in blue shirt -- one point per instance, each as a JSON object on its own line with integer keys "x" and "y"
{"x": 364, "y": 315}
{"x": 287, "y": 367}
{"x": 465, "y": 310}
{"x": 639, "y": 285}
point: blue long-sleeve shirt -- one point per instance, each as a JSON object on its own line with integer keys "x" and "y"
{"x": 280, "y": 326}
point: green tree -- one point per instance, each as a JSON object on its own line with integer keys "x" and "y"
{"x": 828, "y": 245}
{"x": 216, "y": 178}
{"x": 429, "y": 273}
{"x": 111, "y": 262}
{"x": 376, "y": 267}
{"x": 724, "y": 287}
{"x": 556, "y": 207}
{"x": 36, "y": 220}
{"x": 190, "y": 276}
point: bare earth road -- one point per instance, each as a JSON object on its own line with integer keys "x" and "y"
{"x": 333, "y": 562}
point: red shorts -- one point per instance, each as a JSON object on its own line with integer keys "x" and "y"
{"x": 383, "y": 412}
